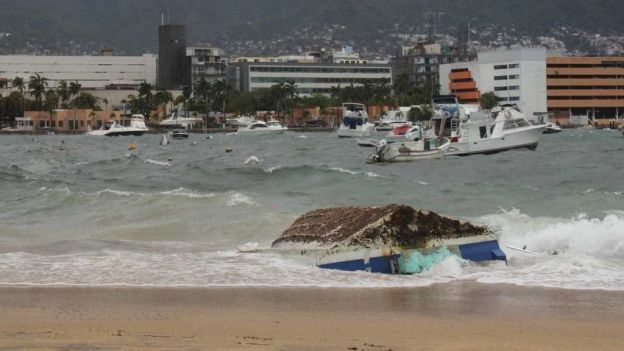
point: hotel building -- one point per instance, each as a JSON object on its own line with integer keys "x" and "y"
{"x": 516, "y": 76}
{"x": 310, "y": 78}
{"x": 92, "y": 72}
{"x": 586, "y": 86}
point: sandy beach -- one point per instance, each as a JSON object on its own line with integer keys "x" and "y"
{"x": 457, "y": 316}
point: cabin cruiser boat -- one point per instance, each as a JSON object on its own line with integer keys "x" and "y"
{"x": 481, "y": 134}
{"x": 240, "y": 121}
{"x": 178, "y": 119}
{"x": 392, "y": 120}
{"x": 354, "y": 122}
{"x": 271, "y": 126}
{"x": 137, "y": 127}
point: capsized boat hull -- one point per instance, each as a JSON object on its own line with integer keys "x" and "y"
{"x": 397, "y": 260}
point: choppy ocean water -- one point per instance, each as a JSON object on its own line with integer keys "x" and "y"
{"x": 87, "y": 214}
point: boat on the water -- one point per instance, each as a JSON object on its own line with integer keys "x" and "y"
{"x": 391, "y": 120}
{"x": 354, "y": 121}
{"x": 551, "y": 128}
{"x": 180, "y": 119}
{"x": 179, "y": 134}
{"x": 271, "y": 126}
{"x": 239, "y": 121}
{"x": 481, "y": 134}
{"x": 137, "y": 127}
{"x": 425, "y": 149}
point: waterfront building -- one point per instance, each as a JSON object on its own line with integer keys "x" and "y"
{"x": 586, "y": 86}
{"x": 92, "y": 72}
{"x": 204, "y": 62}
{"x": 309, "y": 78}
{"x": 516, "y": 76}
{"x": 420, "y": 62}
{"x": 172, "y": 58}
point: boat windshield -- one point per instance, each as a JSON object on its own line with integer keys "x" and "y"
{"x": 515, "y": 123}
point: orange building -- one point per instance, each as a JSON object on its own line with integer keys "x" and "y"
{"x": 463, "y": 86}
{"x": 588, "y": 86}
{"x": 72, "y": 120}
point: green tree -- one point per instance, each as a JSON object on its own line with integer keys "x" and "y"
{"x": 37, "y": 88}
{"x": 145, "y": 97}
{"x": 19, "y": 84}
{"x": 50, "y": 104}
{"x": 488, "y": 100}
{"x": 62, "y": 90}
{"x": 74, "y": 90}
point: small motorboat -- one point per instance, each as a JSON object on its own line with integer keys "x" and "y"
{"x": 179, "y": 134}
{"x": 552, "y": 128}
{"x": 425, "y": 149}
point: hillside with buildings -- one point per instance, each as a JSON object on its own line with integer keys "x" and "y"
{"x": 264, "y": 27}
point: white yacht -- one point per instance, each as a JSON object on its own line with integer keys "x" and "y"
{"x": 481, "y": 134}
{"x": 392, "y": 120}
{"x": 354, "y": 121}
{"x": 240, "y": 121}
{"x": 179, "y": 119}
{"x": 112, "y": 128}
{"x": 271, "y": 126}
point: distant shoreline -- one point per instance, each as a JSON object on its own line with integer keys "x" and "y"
{"x": 442, "y": 317}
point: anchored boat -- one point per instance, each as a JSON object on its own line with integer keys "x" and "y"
{"x": 426, "y": 149}
{"x": 354, "y": 122}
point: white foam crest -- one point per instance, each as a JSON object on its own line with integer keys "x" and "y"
{"x": 272, "y": 169}
{"x": 116, "y": 192}
{"x": 187, "y": 193}
{"x": 348, "y": 171}
{"x": 237, "y": 199}
{"x": 158, "y": 163}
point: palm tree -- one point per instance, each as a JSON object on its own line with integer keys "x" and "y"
{"x": 74, "y": 89}
{"x": 289, "y": 89}
{"x": 19, "y": 84}
{"x": 145, "y": 97}
{"x": 205, "y": 89}
{"x": 222, "y": 90}
{"x": 51, "y": 102}
{"x": 163, "y": 97}
{"x": 37, "y": 87}
{"x": 62, "y": 90}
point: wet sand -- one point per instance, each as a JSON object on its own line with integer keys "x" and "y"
{"x": 457, "y": 316}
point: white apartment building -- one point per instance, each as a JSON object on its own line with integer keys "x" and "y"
{"x": 92, "y": 72}
{"x": 206, "y": 63}
{"x": 516, "y": 76}
{"x": 309, "y": 78}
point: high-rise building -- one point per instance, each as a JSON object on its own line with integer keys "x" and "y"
{"x": 172, "y": 62}
{"x": 516, "y": 76}
{"x": 204, "y": 62}
{"x": 420, "y": 63}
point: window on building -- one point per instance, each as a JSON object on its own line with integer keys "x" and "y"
{"x": 500, "y": 88}
{"x": 514, "y": 65}
{"x": 60, "y": 124}
{"x": 500, "y": 77}
{"x": 514, "y": 98}
{"x": 514, "y": 76}
{"x": 500, "y": 67}
{"x": 514, "y": 87}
